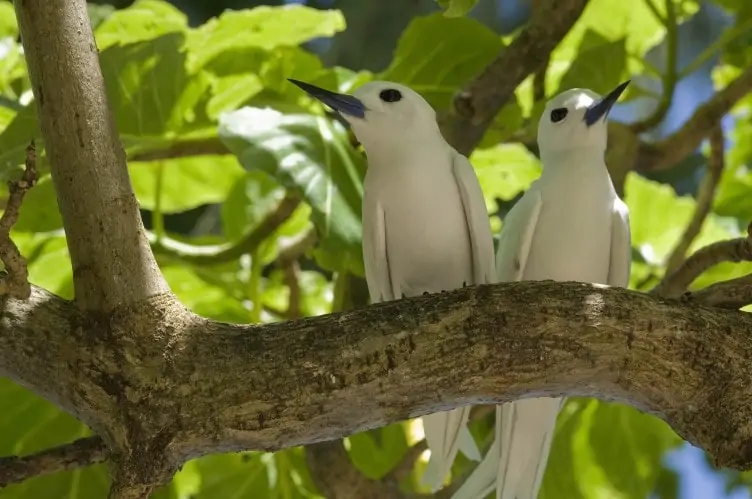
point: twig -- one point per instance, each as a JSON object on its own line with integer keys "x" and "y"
{"x": 292, "y": 279}
{"x": 15, "y": 282}
{"x": 82, "y": 452}
{"x": 731, "y": 294}
{"x": 670, "y": 78}
{"x": 733, "y": 250}
{"x": 298, "y": 247}
{"x": 208, "y": 255}
{"x": 705, "y": 198}
{"x": 671, "y": 150}
{"x": 478, "y": 103}
{"x": 196, "y": 147}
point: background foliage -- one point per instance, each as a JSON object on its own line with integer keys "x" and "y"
{"x": 219, "y": 144}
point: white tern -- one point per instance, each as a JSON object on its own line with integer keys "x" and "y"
{"x": 570, "y": 225}
{"x": 425, "y": 224}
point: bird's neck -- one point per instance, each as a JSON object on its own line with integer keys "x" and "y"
{"x": 389, "y": 150}
{"x": 575, "y": 165}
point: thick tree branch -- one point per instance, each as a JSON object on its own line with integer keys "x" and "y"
{"x": 112, "y": 262}
{"x": 181, "y": 386}
{"x": 82, "y": 452}
{"x": 16, "y": 280}
{"x": 477, "y": 105}
{"x": 671, "y": 150}
{"x": 674, "y": 284}
{"x": 705, "y": 198}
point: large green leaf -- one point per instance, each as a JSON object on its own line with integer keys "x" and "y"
{"x": 48, "y": 260}
{"x": 605, "y": 450}
{"x": 39, "y": 211}
{"x": 599, "y": 66}
{"x": 504, "y": 171}
{"x": 8, "y": 22}
{"x": 16, "y": 137}
{"x": 142, "y": 21}
{"x": 376, "y": 452}
{"x": 31, "y": 424}
{"x": 262, "y": 27}
{"x": 434, "y": 57}
{"x": 151, "y": 94}
{"x": 186, "y": 182}
{"x": 310, "y": 156}
{"x": 253, "y": 197}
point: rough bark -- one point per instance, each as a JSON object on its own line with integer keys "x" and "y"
{"x": 162, "y": 385}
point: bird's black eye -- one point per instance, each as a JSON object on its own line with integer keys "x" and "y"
{"x": 390, "y": 95}
{"x": 558, "y": 114}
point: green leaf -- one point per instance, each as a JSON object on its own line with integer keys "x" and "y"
{"x": 186, "y": 183}
{"x": 39, "y": 211}
{"x": 16, "y": 137}
{"x": 599, "y": 64}
{"x": 504, "y": 171}
{"x": 151, "y": 94}
{"x": 456, "y": 8}
{"x": 213, "y": 300}
{"x": 310, "y": 156}
{"x": 658, "y": 218}
{"x": 732, "y": 198}
{"x": 8, "y": 22}
{"x": 142, "y": 21}
{"x": 603, "y": 449}
{"x": 262, "y": 27}
{"x": 432, "y": 58}
{"x": 31, "y": 424}
{"x": 376, "y": 452}
{"x": 48, "y": 260}
{"x": 253, "y": 197}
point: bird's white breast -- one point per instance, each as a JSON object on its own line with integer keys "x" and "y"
{"x": 572, "y": 238}
{"x": 427, "y": 239}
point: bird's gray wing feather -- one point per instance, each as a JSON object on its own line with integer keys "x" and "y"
{"x": 478, "y": 224}
{"x": 621, "y": 246}
{"x": 375, "y": 256}
{"x": 517, "y": 235}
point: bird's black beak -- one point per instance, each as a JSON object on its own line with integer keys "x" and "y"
{"x": 342, "y": 103}
{"x": 599, "y": 109}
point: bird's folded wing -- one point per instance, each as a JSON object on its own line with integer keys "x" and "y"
{"x": 621, "y": 246}
{"x": 517, "y": 236}
{"x": 374, "y": 250}
{"x": 476, "y": 215}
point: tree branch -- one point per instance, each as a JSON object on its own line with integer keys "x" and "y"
{"x": 732, "y": 294}
{"x": 16, "y": 281}
{"x": 112, "y": 262}
{"x": 211, "y": 146}
{"x": 196, "y": 386}
{"x": 674, "y": 284}
{"x": 82, "y": 452}
{"x": 208, "y": 255}
{"x": 477, "y": 105}
{"x": 705, "y": 198}
{"x": 671, "y": 150}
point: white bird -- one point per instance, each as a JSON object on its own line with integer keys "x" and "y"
{"x": 425, "y": 224}
{"x": 569, "y": 226}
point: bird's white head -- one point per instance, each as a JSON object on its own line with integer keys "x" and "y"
{"x": 576, "y": 120}
{"x": 381, "y": 113}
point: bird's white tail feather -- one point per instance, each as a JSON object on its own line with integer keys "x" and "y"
{"x": 446, "y": 433}
{"x": 516, "y": 462}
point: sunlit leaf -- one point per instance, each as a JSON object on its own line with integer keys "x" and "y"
{"x": 312, "y": 157}
{"x": 142, "y": 21}
{"x": 186, "y": 182}
{"x": 263, "y": 27}
{"x": 504, "y": 171}
{"x": 31, "y": 424}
